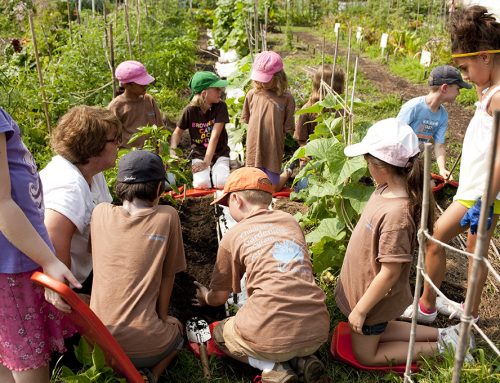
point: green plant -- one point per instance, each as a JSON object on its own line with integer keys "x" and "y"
{"x": 93, "y": 369}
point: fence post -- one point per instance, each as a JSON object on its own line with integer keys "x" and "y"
{"x": 127, "y": 28}
{"x": 481, "y": 249}
{"x": 420, "y": 261}
{"x": 39, "y": 71}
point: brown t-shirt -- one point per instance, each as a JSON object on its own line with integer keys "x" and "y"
{"x": 285, "y": 309}
{"x": 135, "y": 114}
{"x": 129, "y": 255}
{"x": 385, "y": 233}
{"x": 269, "y": 118}
{"x": 200, "y": 126}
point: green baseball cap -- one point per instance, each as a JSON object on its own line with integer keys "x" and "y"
{"x": 204, "y": 80}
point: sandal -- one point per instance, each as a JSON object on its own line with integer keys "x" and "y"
{"x": 309, "y": 369}
{"x": 148, "y": 375}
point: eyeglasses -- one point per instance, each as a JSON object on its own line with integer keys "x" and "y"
{"x": 116, "y": 140}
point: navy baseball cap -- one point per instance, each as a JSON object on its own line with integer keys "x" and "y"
{"x": 140, "y": 166}
{"x": 447, "y": 74}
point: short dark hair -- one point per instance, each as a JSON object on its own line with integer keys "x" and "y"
{"x": 146, "y": 190}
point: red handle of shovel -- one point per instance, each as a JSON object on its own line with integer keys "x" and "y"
{"x": 204, "y": 360}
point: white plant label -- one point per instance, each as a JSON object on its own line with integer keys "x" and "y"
{"x": 359, "y": 35}
{"x": 425, "y": 58}
{"x": 383, "y": 40}
{"x": 336, "y": 28}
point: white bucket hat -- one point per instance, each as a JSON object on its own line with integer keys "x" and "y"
{"x": 389, "y": 140}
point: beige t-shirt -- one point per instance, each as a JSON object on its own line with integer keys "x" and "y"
{"x": 285, "y": 309}
{"x": 269, "y": 117}
{"x": 135, "y": 114}
{"x": 129, "y": 255}
{"x": 385, "y": 233}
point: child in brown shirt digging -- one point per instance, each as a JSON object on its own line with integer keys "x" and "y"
{"x": 373, "y": 288}
{"x": 285, "y": 319}
{"x": 137, "y": 249}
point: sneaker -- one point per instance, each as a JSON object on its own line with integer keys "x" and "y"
{"x": 448, "y": 338}
{"x": 421, "y": 316}
{"x": 309, "y": 369}
{"x": 281, "y": 373}
{"x": 449, "y": 308}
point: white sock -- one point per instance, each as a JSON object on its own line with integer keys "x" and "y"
{"x": 263, "y": 365}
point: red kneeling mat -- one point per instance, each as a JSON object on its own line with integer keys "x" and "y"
{"x": 341, "y": 349}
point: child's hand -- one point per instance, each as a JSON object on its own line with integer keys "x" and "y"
{"x": 201, "y": 295}
{"x": 60, "y": 272}
{"x": 471, "y": 217}
{"x": 199, "y": 166}
{"x": 356, "y": 321}
{"x": 446, "y": 175}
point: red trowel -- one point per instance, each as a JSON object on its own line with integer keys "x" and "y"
{"x": 197, "y": 331}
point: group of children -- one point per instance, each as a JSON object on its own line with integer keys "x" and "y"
{"x": 137, "y": 248}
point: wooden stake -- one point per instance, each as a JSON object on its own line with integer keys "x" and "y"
{"x": 335, "y": 57}
{"x": 105, "y": 13}
{"x": 138, "y": 32}
{"x": 112, "y": 58}
{"x": 69, "y": 19}
{"x": 127, "y": 30}
{"x": 322, "y": 69}
{"x": 347, "y": 83}
{"x": 78, "y": 10}
{"x": 39, "y": 71}
{"x": 256, "y": 24}
{"x": 351, "y": 121}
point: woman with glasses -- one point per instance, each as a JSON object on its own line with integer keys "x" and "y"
{"x": 86, "y": 142}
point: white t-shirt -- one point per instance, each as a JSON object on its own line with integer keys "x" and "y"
{"x": 66, "y": 191}
{"x": 477, "y": 142}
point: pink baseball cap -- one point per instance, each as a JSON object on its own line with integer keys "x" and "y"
{"x": 389, "y": 140}
{"x": 265, "y": 65}
{"x": 133, "y": 71}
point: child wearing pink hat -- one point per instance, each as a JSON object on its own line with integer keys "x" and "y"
{"x": 134, "y": 107}
{"x": 268, "y": 110}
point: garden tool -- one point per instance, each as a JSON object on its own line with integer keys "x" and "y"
{"x": 197, "y": 331}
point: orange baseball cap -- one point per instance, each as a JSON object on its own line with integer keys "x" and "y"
{"x": 244, "y": 179}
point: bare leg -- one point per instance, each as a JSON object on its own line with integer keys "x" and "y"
{"x": 483, "y": 271}
{"x": 6, "y": 375}
{"x": 445, "y": 228}
{"x": 39, "y": 375}
{"x": 400, "y": 331}
{"x": 370, "y": 351}
{"x": 158, "y": 368}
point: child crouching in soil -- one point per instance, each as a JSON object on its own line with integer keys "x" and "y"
{"x": 373, "y": 288}
{"x": 137, "y": 249}
{"x": 285, "y": 319}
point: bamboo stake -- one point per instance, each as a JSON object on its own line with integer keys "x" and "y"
{"x": 78, "y": 11}
{"x": 351, "y": 121}
{"x": 256, "y": 24}
{"x": 138, "y": 32}
{"x": 479, "y": 253}
{"x": 39, "y": 71}
{"x": 46, "y": 42}
{"x": 420, "y": 262}
{"x": 105, "y": 13}
{"x": 347, "y": 83}
{"x": 93, "y": 8}
{"x": 335, "y": 57}
{"x": 69, "y": 19}
{"x": 112, "y": 58}
{"x": 127, "y": 30}
{"x": 322, "y": 68}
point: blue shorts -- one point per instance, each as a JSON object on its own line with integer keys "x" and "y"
{"x": 374, "y": 329}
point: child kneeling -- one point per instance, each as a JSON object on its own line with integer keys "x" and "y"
{"x": 137, "y": 249}
{"x": 373, "y": 288}
{"x": 285, "y": 318}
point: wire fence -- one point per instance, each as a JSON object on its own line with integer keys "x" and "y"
{"x": 478, "y": 258}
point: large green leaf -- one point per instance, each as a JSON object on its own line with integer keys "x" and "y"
{"x": 327, "y": 253}
{"x": 330, "y": 227}
{"x": 314, "y": 109}
{"x": 82, "y": 352}
{"x": 98, "y": 358}
{"x": 358, "y": 195}
{"x": 325, "y": 148}
{"x": 350, "y": 166}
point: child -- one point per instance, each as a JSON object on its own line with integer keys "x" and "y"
{"x": 205, "y": 118}
{"x": 268, "y": 110}
{"x": 373, "y": 288}
{"x": 426, "y": 114}
{"x": 137, "y": 249}
{"x": 31, "y": 328}
{"x": 305, "y": 124}
{"x": 475, "y": 37}
{"x": 134, "y": 108}
{"x": 285, "y": 317}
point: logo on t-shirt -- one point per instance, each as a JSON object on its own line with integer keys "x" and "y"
{"x": 287, "y": 251}
{"x": 204, "y": 130}
{"x": 426, "y": 130}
